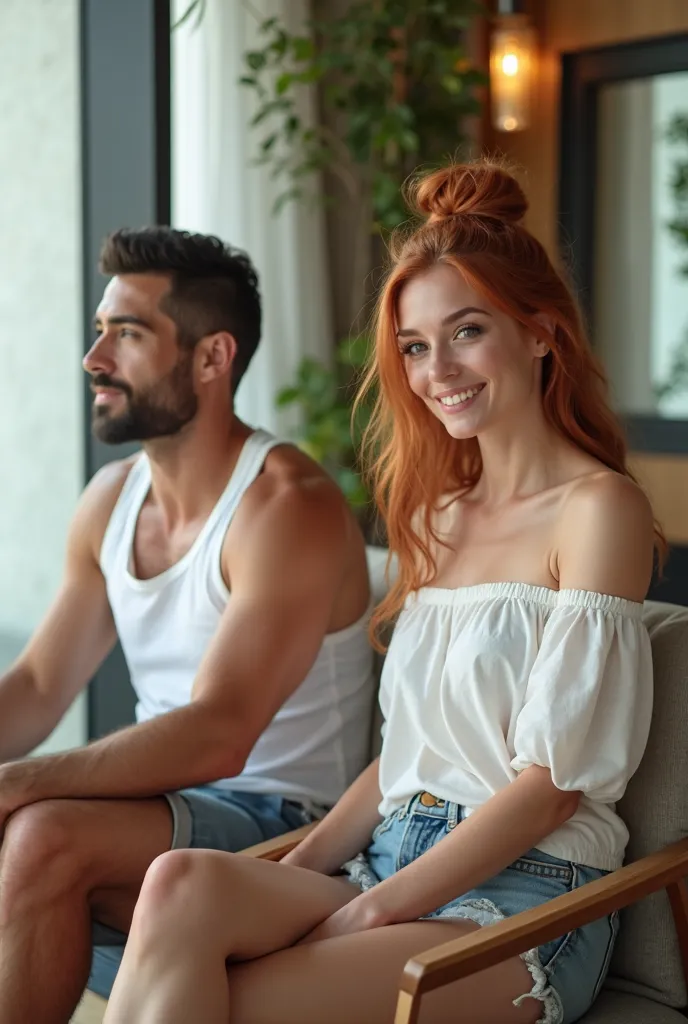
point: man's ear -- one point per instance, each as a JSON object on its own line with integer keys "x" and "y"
{"x": 215, "y": 355}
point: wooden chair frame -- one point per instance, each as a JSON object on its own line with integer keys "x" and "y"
{"x": 451, "y": 961}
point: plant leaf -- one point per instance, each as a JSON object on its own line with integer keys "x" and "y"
{"x": 256, "y": 60}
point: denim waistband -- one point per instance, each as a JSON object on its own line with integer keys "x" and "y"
{"x": 431, "y": 806}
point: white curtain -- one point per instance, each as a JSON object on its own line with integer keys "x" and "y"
{"x": 218, "y": 189}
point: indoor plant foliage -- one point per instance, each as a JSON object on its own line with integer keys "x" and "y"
{"x": 328, "y": 431}
{"x": 677, "y": 378}
{"x": 397, "y": 74}
{"x": 393, "y": 76}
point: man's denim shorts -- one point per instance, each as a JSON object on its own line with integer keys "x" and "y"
{"x": 568, "y": 972}
{"x": 205, "y": 818}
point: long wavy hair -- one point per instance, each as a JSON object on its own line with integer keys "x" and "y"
{"x": 472, "y": 214}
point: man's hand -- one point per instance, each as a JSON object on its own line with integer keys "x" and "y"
{"x": 15, "y": 789}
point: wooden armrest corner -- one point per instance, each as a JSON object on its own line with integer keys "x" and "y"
{"x": 275, "y": 849}
{"x": 491, "y": 945}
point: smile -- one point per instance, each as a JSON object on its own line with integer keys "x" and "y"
{"x": 460, "y": 400}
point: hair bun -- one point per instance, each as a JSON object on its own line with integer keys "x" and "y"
{"x": 482, "y": 189}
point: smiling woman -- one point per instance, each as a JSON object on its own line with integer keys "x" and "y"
{"x": 490, "y": 337}
{"x": 451, "y": 368}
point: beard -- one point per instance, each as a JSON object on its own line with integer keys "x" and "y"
{"x": 161, "y": 410}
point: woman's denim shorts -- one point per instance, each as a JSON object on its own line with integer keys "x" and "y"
{"x": 568, "y": 972}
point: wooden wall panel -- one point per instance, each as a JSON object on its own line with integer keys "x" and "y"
{"x": 565, "y": 25}
{"x": 665, "y": 478}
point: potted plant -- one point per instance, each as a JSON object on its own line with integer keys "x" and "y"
{"x": 395, "y": 78}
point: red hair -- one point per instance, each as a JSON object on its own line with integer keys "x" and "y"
{"x": 472, "y": 216}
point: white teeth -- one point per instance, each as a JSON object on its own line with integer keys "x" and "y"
{"x": 462, "y": 396}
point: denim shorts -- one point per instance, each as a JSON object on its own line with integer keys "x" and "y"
{"x": 205, "y": 818}
{"x": 568, "y": 972}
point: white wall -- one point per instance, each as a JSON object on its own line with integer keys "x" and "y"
{"x": 41, "y": 407}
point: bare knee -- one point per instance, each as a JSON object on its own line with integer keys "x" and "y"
{"x": 182, "y": 878}
{"x": 178, "y": 892}
{"x": 40, "y": 853}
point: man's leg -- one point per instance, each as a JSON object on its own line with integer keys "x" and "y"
{"x": 62, "y": 862}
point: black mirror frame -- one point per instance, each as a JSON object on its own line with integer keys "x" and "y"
{"x": 583, "y": 73}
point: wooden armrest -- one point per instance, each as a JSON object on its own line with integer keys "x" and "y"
{"x": 275, "y": 849}
{"x": 495, "y": 943}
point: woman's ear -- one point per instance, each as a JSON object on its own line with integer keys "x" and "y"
{"x": 542, "y": 344}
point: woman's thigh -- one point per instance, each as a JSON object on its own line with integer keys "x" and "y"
{"x": 232, "y": 905}
{"x": 355, "y": 978}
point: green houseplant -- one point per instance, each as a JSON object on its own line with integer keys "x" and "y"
{"x": 328, "y": 432}
{"x": 394, "y": 77}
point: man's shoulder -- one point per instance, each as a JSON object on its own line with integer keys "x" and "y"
{"x": 100, "y": 496}
{"x": 105, "y": 486}
{"x": 294, "y": 497}
{"x": 290, "y": 478}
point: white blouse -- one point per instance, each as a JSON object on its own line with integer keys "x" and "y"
{"x": 483, "y": 681}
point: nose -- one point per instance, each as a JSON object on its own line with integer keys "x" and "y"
{"x": 99, "y": 358}
{"x": 443, "y": 364}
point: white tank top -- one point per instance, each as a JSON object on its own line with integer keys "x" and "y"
{"x": 318, "y": 741}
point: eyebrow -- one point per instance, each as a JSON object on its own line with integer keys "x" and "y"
{"x": 458, "y": 315}
{"x": 125, "y": 319}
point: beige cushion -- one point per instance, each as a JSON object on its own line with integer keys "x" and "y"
{"x": 646, "y": 961}
{"x": 377, "y": 568}
{"x": 619, "y": 1008}
{"x": 655, "y": 808}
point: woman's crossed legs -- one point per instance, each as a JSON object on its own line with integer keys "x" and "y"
{"x": 201, "y": 913}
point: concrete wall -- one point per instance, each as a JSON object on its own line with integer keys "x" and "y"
{"x": 41, "y": 408}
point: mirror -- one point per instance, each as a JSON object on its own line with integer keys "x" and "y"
{"x": 640, "y": 243}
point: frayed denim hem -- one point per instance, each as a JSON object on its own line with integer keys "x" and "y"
{"x": 484, "y": 912}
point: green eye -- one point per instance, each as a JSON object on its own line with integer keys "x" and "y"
{"x": 414, "y": 348}
{"x": 467, "y": 332}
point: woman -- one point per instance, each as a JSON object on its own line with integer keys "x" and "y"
{"x": 517, "y": 689}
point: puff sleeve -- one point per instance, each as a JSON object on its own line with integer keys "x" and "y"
{"x": 588, "y": 702}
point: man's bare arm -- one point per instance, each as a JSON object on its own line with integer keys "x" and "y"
{"x": 74, "y": 636}
{"x": 285, "y": 575}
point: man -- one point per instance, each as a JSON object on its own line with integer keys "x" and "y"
{"x": 234, "y": 576}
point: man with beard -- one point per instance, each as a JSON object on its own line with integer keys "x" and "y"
{"x": 233, "y": 574}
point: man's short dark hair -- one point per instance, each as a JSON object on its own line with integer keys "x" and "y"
{"x": 214, "y": 287}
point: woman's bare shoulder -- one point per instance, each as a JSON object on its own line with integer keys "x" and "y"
{"x": 606, "y": 536}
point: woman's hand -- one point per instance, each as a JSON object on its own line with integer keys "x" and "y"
{"x": 358, "y": 916}
{"x": 345, "y": 830}
{"x": 301, "y": 857}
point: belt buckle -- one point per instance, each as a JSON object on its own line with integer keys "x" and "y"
{"x": 428, "y": 800}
